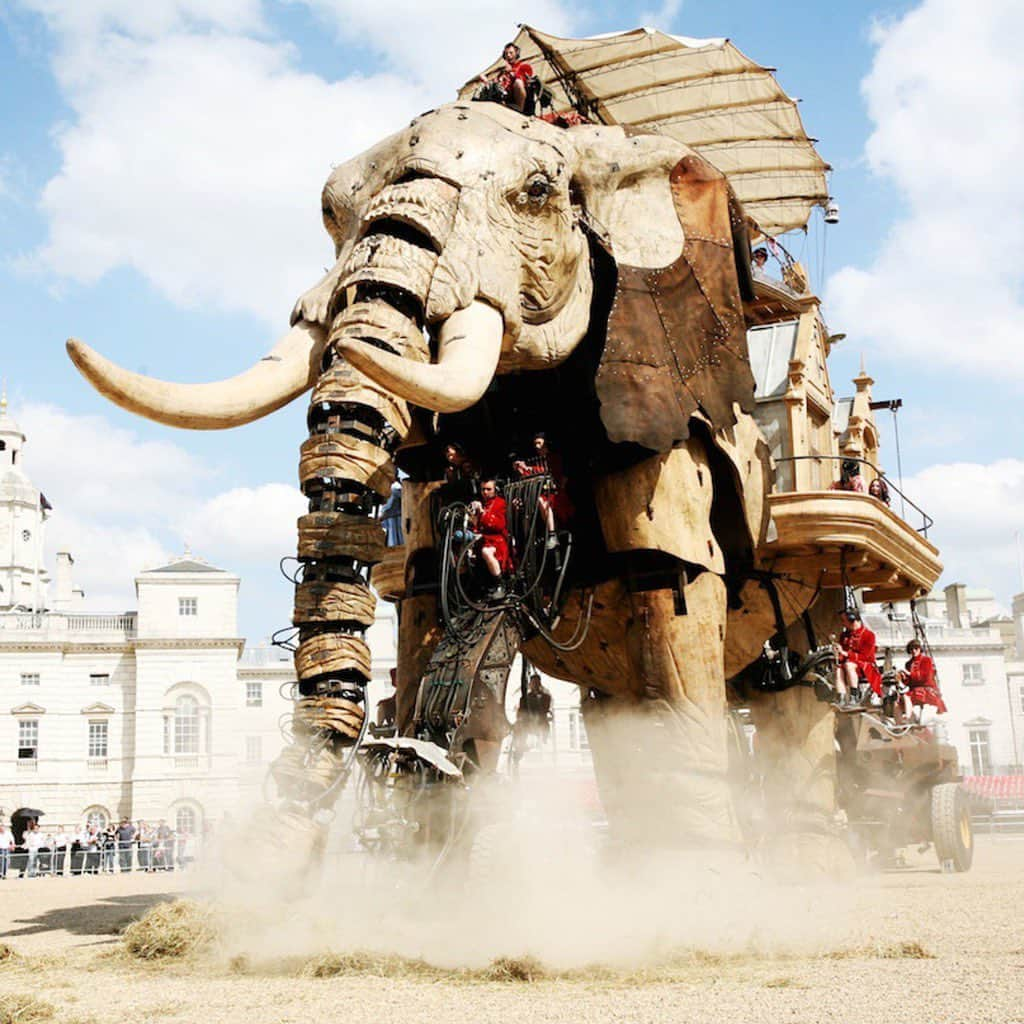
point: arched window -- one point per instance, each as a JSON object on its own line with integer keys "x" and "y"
{"x": 186, "y": 725}
{"x": 98, "y": 817}
{"x": 186, "y": 721}
{"x": 186, "y": 820}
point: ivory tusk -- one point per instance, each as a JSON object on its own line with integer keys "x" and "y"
{"x": 291, "y": 368}
{"x": 469, "y": 346}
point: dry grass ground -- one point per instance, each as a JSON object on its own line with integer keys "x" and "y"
{"x": 914, "y": 946}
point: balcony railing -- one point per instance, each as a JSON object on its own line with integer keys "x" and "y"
{"x": 58, "y": 625}
{"x": 836, "y": 461}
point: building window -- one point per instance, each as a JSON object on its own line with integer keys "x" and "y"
{"x": 97, "y": 737}
{"x": 28, "y": 739}
{"x": 578, "y": 739}
{"x": 99, "y": 678}
{"x": 188, "y": 606}
{"x": 972, "y": 674}
{"x": 186, "y": 725}
{"x": 29, "y": 678}
{"x": 254, "y": 695}
{"x": 185, "y": 821}
{"x": 97, "y": 817}
{"x": 1022, "y": 700}
{"x": 253, "y": 749}
{"x": 981, "y": 759}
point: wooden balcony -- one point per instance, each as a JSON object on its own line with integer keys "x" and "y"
{"x": 837, "y": 538}
{"x": 775, "y": 301}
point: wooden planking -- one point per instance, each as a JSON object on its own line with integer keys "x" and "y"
{"x": 340, "y": 535}
{"x": 346, "y": 458}
{"x": 332, "y": 653}
{"x": 330, "y": 601}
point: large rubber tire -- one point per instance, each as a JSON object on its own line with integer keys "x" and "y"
{"x": 951, "y": 827}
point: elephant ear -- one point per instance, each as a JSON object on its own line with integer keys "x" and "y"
{"x": 676, "y": 344}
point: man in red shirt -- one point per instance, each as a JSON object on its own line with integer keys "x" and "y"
{"x": 491, "y": 520}
{"x": 856, "y": 657}
{"x": 512, "y": 78}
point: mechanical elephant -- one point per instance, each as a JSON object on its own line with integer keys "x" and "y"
{"x": 492, "y": 269}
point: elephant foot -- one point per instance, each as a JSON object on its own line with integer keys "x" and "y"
{"x": 809, "y": 856}
{"x": 662, "y": 774}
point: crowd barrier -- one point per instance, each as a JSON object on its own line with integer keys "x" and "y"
{"x": 172, "y": 855}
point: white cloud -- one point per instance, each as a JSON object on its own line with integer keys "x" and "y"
{"x": 977, "y": 509}
{"x": 112, "y": 474}
{"x": 662, "y": 16}
{"x": 84, "y": 18}
{"x": 443, "y": 43}
{"x": 123, "y": 504}
{"x": 248, "y": 523}
{"x": 196, "y": 157}
{"x": 945, "y": 93}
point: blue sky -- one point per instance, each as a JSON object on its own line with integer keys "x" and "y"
{"x": 160, "y": 170}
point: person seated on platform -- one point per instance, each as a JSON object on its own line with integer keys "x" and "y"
{"x": 461, "y": 479}
{"x": 879, "y": 489}
{"x": 509, "y": 84}
{"x": 758, "y": 258}
{"x": 555, "y": 505}
{"x": 923, "y": 686}
{"x": 490, "y": 518}
{"x": 855, "y": 659}
{"x": 850, "y": 478}
{"x": 535, "y": 710}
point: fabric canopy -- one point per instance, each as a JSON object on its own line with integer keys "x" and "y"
{"x": 705, "y": 93}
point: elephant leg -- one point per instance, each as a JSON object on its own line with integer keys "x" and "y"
{"x": 796, "y": 758}
{"x": 418, "y": 634}
{"x": 661, "y": 756}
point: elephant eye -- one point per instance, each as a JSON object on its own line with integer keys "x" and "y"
{"x": 538, "y": 188}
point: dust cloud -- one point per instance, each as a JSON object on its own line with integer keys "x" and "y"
{"x": 543, "y": 880}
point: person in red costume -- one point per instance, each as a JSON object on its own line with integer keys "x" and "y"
{"x": 555, "y": 505}
{"x": 490, "y": 516}
{"x": 921, "y": 680}
{"x": 855, "y": 657}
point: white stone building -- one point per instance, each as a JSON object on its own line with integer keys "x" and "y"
{"x": 983, "y": 687}
{"x": 155, "y": 713}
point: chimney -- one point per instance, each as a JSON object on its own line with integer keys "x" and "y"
{"x": 1018, "y": 624}
{"x": 64, "y": 587}
{"x": 956, "y": 605}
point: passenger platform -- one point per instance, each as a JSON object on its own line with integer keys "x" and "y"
{"x": 837, "y": 538}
